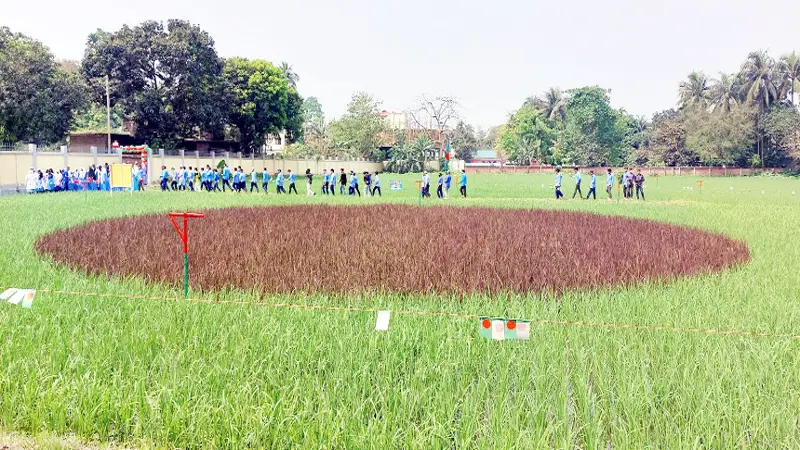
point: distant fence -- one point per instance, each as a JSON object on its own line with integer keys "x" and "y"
{"x": 663, "y": 171}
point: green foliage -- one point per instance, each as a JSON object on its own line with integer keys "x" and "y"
{"x": 668, "y": 141}
{"x": 590, "y": 134}
{"x": 37, "y": 97}
{"x": 259, "y": 95}
{"x": 411, "y": 157}
{"x": 93, "y": 118}
{"x": 168, "y": 79}
{"x": 359, "y": 130}
{"x": 463, "y": 141}
{"x": 719, "y": 138}
{"x": 782, "y": 132}
{"x": 527, "y": 137}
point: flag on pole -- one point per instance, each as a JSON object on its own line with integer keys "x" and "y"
{"x": 447, "y": 156}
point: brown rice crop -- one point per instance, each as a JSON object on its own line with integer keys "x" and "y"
{"x": 394, "y": 248}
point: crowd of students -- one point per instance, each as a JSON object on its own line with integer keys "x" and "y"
{"x": 628, "y": 181}
{"x": 236, "y": 180}
{"x": 95, "y": 178}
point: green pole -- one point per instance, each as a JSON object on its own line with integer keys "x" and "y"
{"x": 419, "y": 196}
{"x": 185, "y": 275}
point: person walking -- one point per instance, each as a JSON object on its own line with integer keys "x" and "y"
{"x": 592, "y": 186}
{"x": 463, "y": 183}
{"x": 279, "y": 183}
{"x": 440, "y": 187}
{"x": 639, "y": 181}
{"x": 354, "y": 190}
{"x": 578, "y": 178}
{"x": 326, "y": 179}
{"x": 426, "y": 184}
{"x": 342, "y": 182}
{"x": 447, "y": 180}
{"x": 367, "y": 184}
{"x": 332, "y": 184}
{"x": 610, "y": 183}
{"x": 309, "y": 179}
{"x": 226, "y": 178}
{"x": 377, "y": 187}
{"x": 559, "y": 179}
{"x": 164, "y": 178}
{"x": 254, "y": 180}
{"x": 292, "y": 181}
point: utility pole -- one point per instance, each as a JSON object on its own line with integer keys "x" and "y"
{"x": 108, "y": 116}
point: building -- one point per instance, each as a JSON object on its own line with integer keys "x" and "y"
{"x": 484, "y": 157}
{"x": 395, "y": 120}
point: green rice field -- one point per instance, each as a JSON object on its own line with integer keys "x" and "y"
{"x": 154, "y": 371}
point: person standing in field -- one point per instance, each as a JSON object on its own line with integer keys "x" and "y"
{"x": 254, "y": 180}
{"x": 610, "y": 183}
{"x": 354, "y": 184}
{"x": 191, "y": 178}
{"x": 332, "y": 185}
{"x": 559, "y": 179}
{"x": 578, "y": 178}
{"x": 440, "y": 187}
{"x": 367, "y": 184}
{"x": 447, "y": 181}
{"x": 342, "y": 182}
{"x": 292, "y": 180}
{"x": 215, "y": 177}
{"x": 426, "y": 184}
{"x": 164, "y": 178}
{"x": 309, "y": 178}
{"x": 325, "y": 182}
{"x": 377, "y": 185}
{"x": 279, "y": 183}
{"x": 463, "y": 183}
{"x": 226, "y": 178}
{"x": 628, "y": 184}
{"x": 592, "y": 186}
{"x": 639, "y": 181}
{"x": 265, "y": 179}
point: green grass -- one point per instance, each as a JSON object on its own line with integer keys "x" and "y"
{"x": 179, "y": 374}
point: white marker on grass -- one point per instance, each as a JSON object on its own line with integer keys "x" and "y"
{"x": 382, "y": 324}
{"x": 7, "y": 294}
{"x": 27, "y": 301}
{"x": 498, "y": 330}
{"x": 17, "y": 297}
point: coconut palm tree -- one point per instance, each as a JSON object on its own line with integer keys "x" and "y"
{"x": 290, "y": 74}
{"x": 722, "y": 94}
{"x": 693, "y": 91}
{"x": 757, "y": 73}
{"x": 790, "y": 68}
{"x": 552, "y": 104}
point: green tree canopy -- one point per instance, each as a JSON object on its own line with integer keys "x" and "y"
{"x": 527, "y": 136}
{"x": 359, "y": 130}
{"x": 464, "y": 141}
{"x": 590, "y": 134}
{"x": 37, "y": 98}
{"x": 260, "y": 98}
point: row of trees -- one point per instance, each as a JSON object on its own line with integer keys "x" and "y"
{"x": 746, "y": 118}
{"x": 168, "y": 79}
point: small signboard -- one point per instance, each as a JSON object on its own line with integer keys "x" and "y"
{"x": 121, "y": 176}
{"x": 396, "y": 185}
{"x": 502, "y": 329}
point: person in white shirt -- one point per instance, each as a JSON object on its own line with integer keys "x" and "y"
{"x": 31, "y": 181}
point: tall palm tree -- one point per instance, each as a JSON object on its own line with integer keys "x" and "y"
{"x": 290, "y": 74}
{"x": 722, "y": 94}
{"x": 757, "y": 74}
{"x": 693, "y": 91}
{"x": 790, "y": 67}
{"x": 552, "y": 104}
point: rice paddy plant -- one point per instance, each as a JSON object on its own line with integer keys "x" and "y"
{"x": 163, "y": 374}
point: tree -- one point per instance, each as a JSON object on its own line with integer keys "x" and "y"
{"x": 782, "y": 133}
{"x": 693, "y": 92}
{"x": 93, "y": 118}
{"x": 551, "y": 104}
{"x": 360, "y": 128}
{"x": 590, "y": 136}
{"x": 527, "y": 137}
{"x": 167, "y": 78}
{"x": 37, "y": 98}
{"x": 435, "y": 113}
{"x": 722, "y": 94}
{"x": 260, "y": 97}
{"x": 314, "y": 128}
{"x": 757, "y": 76}
{"x": 719, "y": 138}
{"x": 464, "y": 141}
{"x": 633, "y": 133}
{"x": 411, "y": 157}
{"x": 790, "y": 68}
{"x": 290, "y": 74}
{"x": 667, "y": 143}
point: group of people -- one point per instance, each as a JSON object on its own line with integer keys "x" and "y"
{"x": 95, "y": 178}
{"x": 628, "y": 180}
{"x": 443, "y": 184}
{"x": 236, "y": 180}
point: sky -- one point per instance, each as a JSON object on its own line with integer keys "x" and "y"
{"x": 489, "y": 55}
